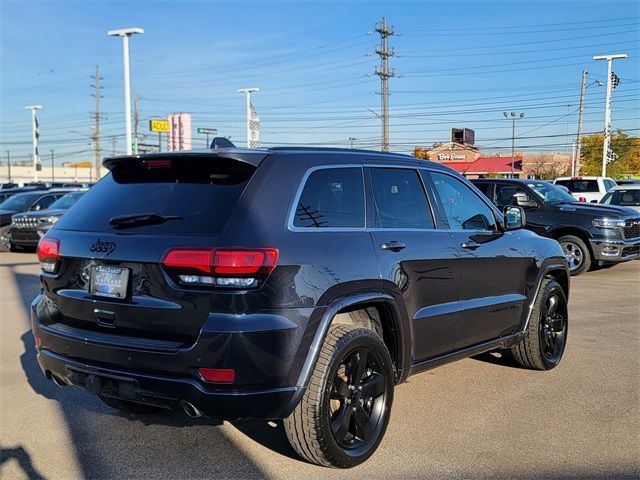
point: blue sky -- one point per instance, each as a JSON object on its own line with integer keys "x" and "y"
{"x": 461, "y": 64}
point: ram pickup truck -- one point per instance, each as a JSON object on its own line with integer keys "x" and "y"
{"x": 588, "y": 233}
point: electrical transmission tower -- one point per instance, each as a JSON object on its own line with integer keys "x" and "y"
{"x": 97, "y": 116}
{"x": 385, "y": 73}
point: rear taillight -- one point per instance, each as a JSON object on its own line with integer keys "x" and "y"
{"x": 49, "y": 254}
{"x": 225, "y": 267}
{"x": 582, "y": 199}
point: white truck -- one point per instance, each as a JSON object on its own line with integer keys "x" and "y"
{"x": 587, "y": 189}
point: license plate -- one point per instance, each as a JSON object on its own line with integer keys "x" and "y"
{"x": 109, "y": 281}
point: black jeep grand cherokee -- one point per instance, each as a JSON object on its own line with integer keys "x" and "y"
{"x": 301, "y": 284}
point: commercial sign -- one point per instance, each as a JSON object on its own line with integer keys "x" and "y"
{"x": 451, "y": 156}
{"x": 159, "y": 125}
{"x": 463, "y": 135}
{"x": 208, "y": 131}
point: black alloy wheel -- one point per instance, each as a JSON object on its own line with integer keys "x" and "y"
{"x": 358, "y": 399}
{"x": 545, "y": 337}
{"x": 345, "y": 409}
{"x": 553, "y": 327}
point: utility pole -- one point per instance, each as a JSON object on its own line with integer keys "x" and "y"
{"x": 576, "y": 164}
{"x": 53, "y": 173}
{"x": 607, "y": 154}
{"x": 135, "y": 124}
{"x": 9, "y": 165}
{"x": 35, "y": 135}
{"x": 114, "y": 140}
{"x": 352, "y": 141}
{"x": 97, "y": 152}
{"x": 385, "y": 73}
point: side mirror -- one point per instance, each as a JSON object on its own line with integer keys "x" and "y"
{"x": 594, "y": 201}
{"x": 514, "y": 218}
{"x": 523, "y": 200}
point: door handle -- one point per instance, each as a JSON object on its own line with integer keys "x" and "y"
{"x": 469, "y": 245}
{"x": 393, "y": 246}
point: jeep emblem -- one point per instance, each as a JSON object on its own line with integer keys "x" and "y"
{"x": 102, "y": 247}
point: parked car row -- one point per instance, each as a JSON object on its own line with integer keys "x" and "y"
{"x": 25, "y": 214}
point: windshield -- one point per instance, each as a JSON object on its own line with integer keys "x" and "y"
{"x": 550, "y": 193}
{"x": 623, "y": 198}
{"x": 20, "y": 201}
{"x": 67, "y": 201}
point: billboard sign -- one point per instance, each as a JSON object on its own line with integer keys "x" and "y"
{"x": 463, "y": 135}
{"x": 159, "y": 125}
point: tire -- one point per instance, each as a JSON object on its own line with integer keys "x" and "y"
{"x": 545, "y": 338}
{"x": 577, "y": 254}
{"x": 129, "y": 408}
{"x": 5, "y": 243}
{"x": 326, "y": 428}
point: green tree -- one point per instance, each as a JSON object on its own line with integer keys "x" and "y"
{"x": 626, "y": 147}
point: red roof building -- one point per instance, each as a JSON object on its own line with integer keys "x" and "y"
{"x": 484, "y": 166}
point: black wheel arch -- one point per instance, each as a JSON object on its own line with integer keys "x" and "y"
{"x": 399, "y": 351}
{"x": 551, "y": 269}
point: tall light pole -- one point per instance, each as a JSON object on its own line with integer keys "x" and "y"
{"x": 606, "y": 150}
{"x": 513, "y": 137}
{"x": 248, "y": 92}
{"x": 575, "y": 165}
{"x": 125, "y": 33}
{"x": 35, "y": 134}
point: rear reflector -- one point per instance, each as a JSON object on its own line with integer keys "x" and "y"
{"x": 218, "y": 375}
{"x": 48, "y": 254}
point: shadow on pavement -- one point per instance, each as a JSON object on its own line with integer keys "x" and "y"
{"x": 163, "y": 445}
{"x": 499, "y": 357}
{"x": 20, "y": 455}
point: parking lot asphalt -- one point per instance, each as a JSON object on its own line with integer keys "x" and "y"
{"x": 478, "y": 418}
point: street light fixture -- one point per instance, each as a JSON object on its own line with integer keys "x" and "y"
{"x": 125, "y": 33}
{"x": 513, "y": 137}
{"x": 248, "y": 91}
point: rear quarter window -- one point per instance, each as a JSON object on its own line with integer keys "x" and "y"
{"x": 331, "y": 198}
{"x": 203, "y": 192}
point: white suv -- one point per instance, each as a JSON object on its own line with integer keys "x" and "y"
{"x": 587, "y": 189}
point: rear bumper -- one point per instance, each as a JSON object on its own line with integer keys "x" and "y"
{"x": 615, "y": 250}
{"x": 263, "y": 349}
{"x": 169, "y": 392}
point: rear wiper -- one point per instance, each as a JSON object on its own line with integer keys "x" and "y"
{"x": 135, "y": 219}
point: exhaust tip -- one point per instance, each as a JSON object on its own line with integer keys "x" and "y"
{"x": 58, "y": 381}
{"x": 191, "y": 410}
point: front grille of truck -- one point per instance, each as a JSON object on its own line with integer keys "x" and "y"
{"x": 631, "y": 229}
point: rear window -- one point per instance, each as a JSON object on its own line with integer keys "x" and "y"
{"x": 580, "y": 186}
{"x": 202, "y": 191}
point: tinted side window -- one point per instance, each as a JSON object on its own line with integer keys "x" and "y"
{"x": 44, "y": 202}
{"x": 462, "y": 206}
{"x": 399, "y": 199}
{"x": 332, "y": 197}
{"x": 505, "y": 193}
{"x": 484, "y": 188}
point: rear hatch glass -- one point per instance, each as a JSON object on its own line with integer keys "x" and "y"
{"x": 580, "y": 186}
{"x": 199, "y": 193}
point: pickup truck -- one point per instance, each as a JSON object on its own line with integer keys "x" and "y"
{"x": 587, "y": 189}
